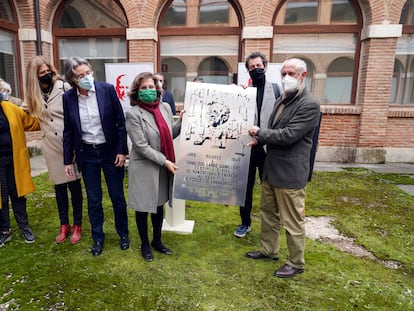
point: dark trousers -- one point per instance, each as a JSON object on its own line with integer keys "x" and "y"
{"x": 8, "y": 190}
{"x": 141, "y": 218}
{"x": 95, "y": 160}
{"x": 257, "y": 158}
{"x": 62, "y": 200}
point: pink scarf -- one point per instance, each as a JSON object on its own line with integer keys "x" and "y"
{"x": 167, "y": 147}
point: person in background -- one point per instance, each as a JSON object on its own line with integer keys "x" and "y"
{"x": 7, "y": 91}
{"x": 289, "y": 138}
{"x": 94, "y": 130}
{"x": 166, "y": 95}
{"x": 44, "y": 90}
{"x": 198, "y": 80}
{"x": 267, "y": 93}
{"x": 151, "y": 167}
{"x": 15, "y": 178}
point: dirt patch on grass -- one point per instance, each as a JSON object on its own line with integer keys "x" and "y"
{"x": 321, "y": 229}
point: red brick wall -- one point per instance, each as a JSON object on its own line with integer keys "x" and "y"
{"x": 374, "y": 90}
{"x": 370, "y": 123}
{"x": 339, "y": 130}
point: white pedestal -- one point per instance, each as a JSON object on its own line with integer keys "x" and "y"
{"x": 175, "y": 218}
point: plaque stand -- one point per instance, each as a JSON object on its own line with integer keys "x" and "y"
{"x": 175, "y": 218}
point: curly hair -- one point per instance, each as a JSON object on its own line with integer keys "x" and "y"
{"x": 256, "y": 55}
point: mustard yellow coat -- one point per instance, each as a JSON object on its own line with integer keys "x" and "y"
{"x": 19, "y": 122}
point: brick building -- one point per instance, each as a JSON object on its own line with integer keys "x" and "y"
{"x": 360, "y": 54}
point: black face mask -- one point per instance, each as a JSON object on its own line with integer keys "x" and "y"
{"x": 257, "y": 75}
{"x": 46, "y": 79}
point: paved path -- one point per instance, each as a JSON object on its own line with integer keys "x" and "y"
{"x": 38, "y": 166}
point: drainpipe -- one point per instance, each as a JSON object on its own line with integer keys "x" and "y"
{"x": 37, "y": 25}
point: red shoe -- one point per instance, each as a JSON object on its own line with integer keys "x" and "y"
{"x": 63, "y": 233}
{"x": 76, "y": 234}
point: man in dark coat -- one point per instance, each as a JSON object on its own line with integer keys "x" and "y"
{"x": 94, "y": 135}
{"x": 286, "y": 170}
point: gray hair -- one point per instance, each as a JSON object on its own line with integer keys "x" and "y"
{"x": 5, "y": 86}
{"x": 300, "y": 67}
{"x": 299, "y": 64}
{"x": 69, "y": 68}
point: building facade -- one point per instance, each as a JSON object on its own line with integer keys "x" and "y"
{"x": 359, "y": 53}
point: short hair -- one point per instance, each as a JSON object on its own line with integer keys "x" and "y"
{"x": 133, "y": 90}
{"x": 198, "y": 79}
{"x": 5, "y": 86}
{"x": 69, "y": 68}
{"x": 299, "y": 64}
{"x": 256, "y": 55}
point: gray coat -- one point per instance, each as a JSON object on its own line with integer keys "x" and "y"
{"x": 269, "y": 100}
{"x": 149, "y": 185}
{"x": 289, "y": 141}
{"x": 51, "y": 123}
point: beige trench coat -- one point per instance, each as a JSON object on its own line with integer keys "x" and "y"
{"x": 149, "y": 185}
{"x": 51, "y": 122}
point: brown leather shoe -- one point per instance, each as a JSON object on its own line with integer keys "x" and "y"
{"x": 63, "y": 233}
{"x": 258, "y": 255}
{"x": 76, "y": 234}
{"x": 287, "y": 271}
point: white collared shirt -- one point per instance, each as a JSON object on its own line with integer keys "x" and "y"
{"x": 91, "y": 126}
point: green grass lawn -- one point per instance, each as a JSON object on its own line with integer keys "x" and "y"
{"x": 208, "y": 270}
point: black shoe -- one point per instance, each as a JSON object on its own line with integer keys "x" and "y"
{"x": 287, "y": 271}
{"x": 259, "y": 255}
{"x": 29, "y": 237}
{"x": 124, "y": 243}
{"x": 97, "y": 248}
{"x": 146, "y": 253}
{"x": 5, "y": 237}
{"x": 161, "y": 248}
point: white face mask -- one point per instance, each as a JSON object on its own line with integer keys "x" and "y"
{"x": 289, "y": 84}
{"x": 160, "y": 84}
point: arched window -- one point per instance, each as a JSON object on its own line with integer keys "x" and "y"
{"x": 396, "y": 78}
{"x": 213, "y": 70}
{"x": 189, "y": 33}
{"x": 9, "y": 70}
{"x": 98, "y": 37}
{"x": 405, "y": 56}
{"x": 213, "y": 12}
{"x": 339, "y": 81}
{"x": 175, "y": 14}
{"x": 174, "y": 77}
{"x": 326, "y": 33}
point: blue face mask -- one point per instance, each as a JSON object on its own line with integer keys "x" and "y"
{"x": 86, "y": 82}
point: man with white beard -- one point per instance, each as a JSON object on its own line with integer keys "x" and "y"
{"x": 288, "y": 139}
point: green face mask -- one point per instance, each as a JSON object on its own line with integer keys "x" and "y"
{"x": 148, "y": 95}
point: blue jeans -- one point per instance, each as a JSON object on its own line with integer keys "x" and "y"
{"x": 96, "y": 159}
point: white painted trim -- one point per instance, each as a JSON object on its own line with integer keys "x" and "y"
{"x": 46, "y": 36}
{"x": 27, "y": 34}
{"x": 141, "y": 34}
{"x": 382, "y": 31}
{"x": 258, "y": 32}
